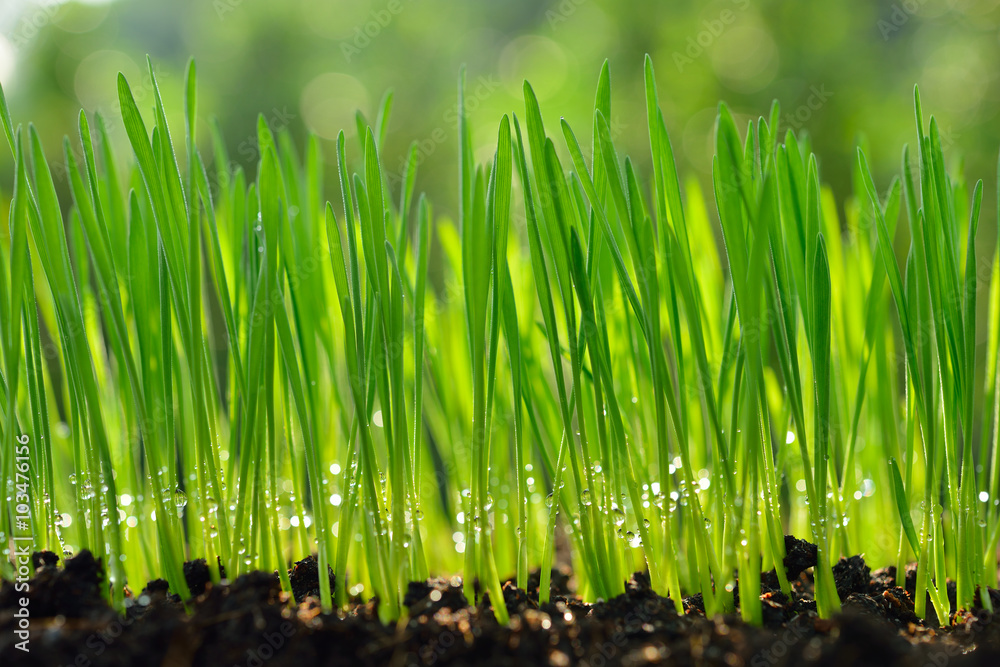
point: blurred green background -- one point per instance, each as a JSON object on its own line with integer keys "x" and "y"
{"x": 839, "y": 69}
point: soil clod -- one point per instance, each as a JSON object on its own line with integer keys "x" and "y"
{"x": 304, "y": 577}
{"x": 249, "y": 621}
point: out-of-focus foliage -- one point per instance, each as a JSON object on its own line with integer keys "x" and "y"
{"x": 836, "y": 67}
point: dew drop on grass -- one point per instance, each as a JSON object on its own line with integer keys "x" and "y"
{"x": 585, "y": 498}
{"x": 548, "y": 500}
{"x": 619, "y": 516}
{"x": 645, "y": 522}
{"x": 489, "y": 502}
{"x": 180, "y": 500}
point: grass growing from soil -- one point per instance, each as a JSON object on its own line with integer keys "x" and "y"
{"x": 252, "y": 367}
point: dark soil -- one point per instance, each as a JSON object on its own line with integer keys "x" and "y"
{"x": 249, "y": 622}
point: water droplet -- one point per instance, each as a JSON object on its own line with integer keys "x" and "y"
{"x": 180, "y": 501}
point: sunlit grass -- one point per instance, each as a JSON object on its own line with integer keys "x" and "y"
{"x": 248, "y": 368}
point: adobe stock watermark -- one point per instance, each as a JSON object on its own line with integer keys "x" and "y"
{"x": 818, "y": 97}
{"x": 433, "y": 651}
{"x": 944, "y": 652}
{"x": 711, "y": 30}
{"x": 608, "y": 652}
{"x": 898, "y": 17}
{"x": 475, "y": 95}
{"x": 249, "y": 148}
{"x": 223, "y": 7}
{"x": 546, "y": 194}
{"x": 40, "y": 17}
{"x": 269, "y": 647}
{"x": 22, "y": 541}
{"x": 948, "y": 136}
{"x": 866, "y": 218}
{"x": 366, "y": 32}
{"x": 776, "y": 652}
{"x": 99, "y": 642}
{"x": 562, "y": 12}
{"x": 111, "y": 117}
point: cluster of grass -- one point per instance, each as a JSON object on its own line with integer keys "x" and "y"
{"x": 214, "y": 364}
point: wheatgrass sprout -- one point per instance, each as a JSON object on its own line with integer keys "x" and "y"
{"x": 251, "y": 369}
